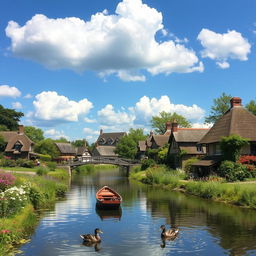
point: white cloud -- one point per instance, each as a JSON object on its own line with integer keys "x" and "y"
{"x": 49, "y": 106}
{"x": 118, "y": 44}
{"x": 145, "y": 108}
{"x": 221, "y": 47}
{"x": 201, "y": 125}
{"x": 55, "y": 134}
{"x": 17, "y": 105}
{"x": 8, "y": 91}
{"x": 90, "y": 121}
{"x": 90, "y": 131}
{"x": 108, "y": 116}
{"x": 28, "y": 96}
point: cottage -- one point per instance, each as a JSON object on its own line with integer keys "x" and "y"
{"x": 66, "y": 150}
{"x": 183, "y": 144}
{"x": 106, "y": 143}
{"x": 237, "y": 120}
{"x": 18, "y": 144}
{"x": 82, "y": 153}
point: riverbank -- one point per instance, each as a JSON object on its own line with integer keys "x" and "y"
{"x": 21, "y": 203}
{"x": 240, "y": 193}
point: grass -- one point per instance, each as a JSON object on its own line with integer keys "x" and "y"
{"x": 242, "y": 193}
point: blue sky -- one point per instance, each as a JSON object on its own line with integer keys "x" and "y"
{"x": 74, "y": 67}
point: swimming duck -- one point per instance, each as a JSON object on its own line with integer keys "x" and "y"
{"x": 92, "y": 238}
{"x": 169, "y": 233}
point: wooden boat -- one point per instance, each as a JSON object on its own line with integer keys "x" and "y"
{"x": 107, "y": 198}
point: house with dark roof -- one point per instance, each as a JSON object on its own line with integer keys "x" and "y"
{"x": 237, "y": 120}
{"x": 183, "y": 144}
{"x": 18, "y": 144}
{"x": 66, "y": 150}
{"x": 106, "y": 143}
{"x": 82, "y": 153}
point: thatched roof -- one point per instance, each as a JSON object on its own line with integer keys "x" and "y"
{"x": 110, "y": 138}
{"x": 189, "y": 134}
{"x": 160, "y": 140}
{"x": 142, "y": 145}
{"x": 66, "y": 148}
{"x": 106, "y": 150}
{"x": 11, "y": 137}
{"x": 236, "y": 120}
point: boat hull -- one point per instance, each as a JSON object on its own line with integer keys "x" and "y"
{"x": 107, "y": 198}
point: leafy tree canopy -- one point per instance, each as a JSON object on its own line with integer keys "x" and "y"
{"x": 2, "y": 144}
{"x": 159, "y": 122}
{"x": 220, "y": 106}
{"x": 9, "y": 118}
{"x": 47, "y": 147}
{"x": 79, "y": 143}
{"x": 128, "y": 145}
{"x": 61, "y": 140}
{"x": 251, "y": 106}
{"x": 35, "y": 134}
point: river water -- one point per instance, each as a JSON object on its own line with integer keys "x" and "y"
{"x": 206, "y": 228}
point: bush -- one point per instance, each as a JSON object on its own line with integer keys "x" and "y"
{"x": 41, "y": 171}
{"x": 233, "y": 171}
{"x": 6, "y": 180}
{"x": 35, "y": 197}
{"x": 146, "y": 163}
{"x": 61, "y": 190}
{"x": 85, "y": 168}
{"x": 52, "y": 166}
{"x": 188, "y": 165}
{"x": 25, "y": 163}
{"x": 6, "y": 162}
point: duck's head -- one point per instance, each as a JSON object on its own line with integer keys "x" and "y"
{"x": 162, "y": 227}
{"x": 97, "y": 231}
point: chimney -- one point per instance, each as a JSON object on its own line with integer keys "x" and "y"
{"x": 235, "y": 101}
{"x": 101, "y": 131}
{"x": 168, "y": 126}
{"x": 151, "y": 133}
{"x": 174, "y": 126}
{"x": 21, "y": 129}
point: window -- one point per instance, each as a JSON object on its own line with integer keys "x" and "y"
{"x": 253, "y": 148}
{"x": 199, "y": 148}
{"x": 17, "y": 146}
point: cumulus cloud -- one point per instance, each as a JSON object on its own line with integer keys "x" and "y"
{"x": 17, "y": 105}
{"x": 201, "y": 125}
{"x": 221, "y": 47}
{"x": 120, "y": 44}
{"x": 145, "y": 108}
{"x": 90, "y": 121}
{"x": 28, "y": 96}
{"x": 8, "y": 91}
{"x": 51, "y": 107}
{"x": 55, "y": 134}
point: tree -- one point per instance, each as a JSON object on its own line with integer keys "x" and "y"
{"x": 220, "y": 106}
{"x": 35, "y": 134}
{"x": 2, "y": 143}
{"x": 231, "y": 146}
{"x": 128, "y": 145}
{"x": 62, "y": 140}
{"x": 10, "y": 118}
{"x": 47, "y": 147}
{"x": 251, "y": 106}
{"x": 159, "y": 122}
{"x": 79, "y": 143}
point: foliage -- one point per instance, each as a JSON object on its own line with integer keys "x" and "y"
{"x": 25, "y": 163}
{"x": 88, "y": 168}
{"x": 128, "y": 145}
{"x": 51, "y": 166}
{"x": 231, "y": 146}
{"x": 188, "y": 165}
{"x": 35, "y": 134}
{"x": 6, "y": 180}
{"x": 7, "y": 162}
{"x": 146, "y": 163}
{"x": 44, "y": 157}
{"x": 3, "y": 128}
{"x": 10, "y": 118}
{"x": 162, "y": 154}
{"x": 153, "y": 153}
{"x": 41, "y": 171}
{"x": 220, "y": 106}
{"x": 251, "y": 106}
{"x": 61, "y": 140}
{"x": 79, "y": 143}
{"x": 47, "y": 147}
{"x": 233, "y": 171}
{"x": 159, "y": 122}
{"x": 247, "y": 159}
{"x": 3, "y": 143}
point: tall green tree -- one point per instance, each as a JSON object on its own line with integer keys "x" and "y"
{"x": 251, "y": 106}
{"x": 2, "y": 143}
{"x": 10, "y": 118}
{"x": 62, "y": 140}
{"x": 159, "y": 122}
{"x": 35, "y": 134}
{"x": 220, "y": 106}
{"x": 47, "y": 147}
{"x": 79, "y": 143}
{"x": 128, "y": 145}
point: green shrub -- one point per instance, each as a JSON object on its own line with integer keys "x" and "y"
{"x": 52, "y": 166}
{"x": 6, "y": 162}
{"x": 44, "y": 157}
{"x": 146, "y": 163}
{"x": 88, "y": 168}
{"x": 233, "y": 171}
{"x": 41, "y": 171}
{"x": 188, "y": 165}
{"x": 60, "y": 190}
{"x": 35, "y": 197}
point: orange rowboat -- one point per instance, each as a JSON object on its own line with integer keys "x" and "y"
{"x": 108, "y": 198}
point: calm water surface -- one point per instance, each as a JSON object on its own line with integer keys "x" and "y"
{"x": 206, "y": 228}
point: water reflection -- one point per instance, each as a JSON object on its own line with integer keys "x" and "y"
{"x": 206, "y": 228}
{"x": 109, "y": 214}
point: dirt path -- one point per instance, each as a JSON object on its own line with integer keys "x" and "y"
{"x": 22, "y": 172}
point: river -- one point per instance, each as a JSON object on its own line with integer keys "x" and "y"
{"x": 206, "y": 228}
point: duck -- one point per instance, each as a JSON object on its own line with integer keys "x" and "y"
{"x": 92, "y": 238}
{"x": 169, "y": 233}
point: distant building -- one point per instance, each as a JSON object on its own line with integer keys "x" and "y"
{"x": 66, "y": 150}
{"x": 106, "y": 143}
{"x": 18, "y": 143}
{"x": 82, "y": 153}
{"x": 183, "y": 144}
